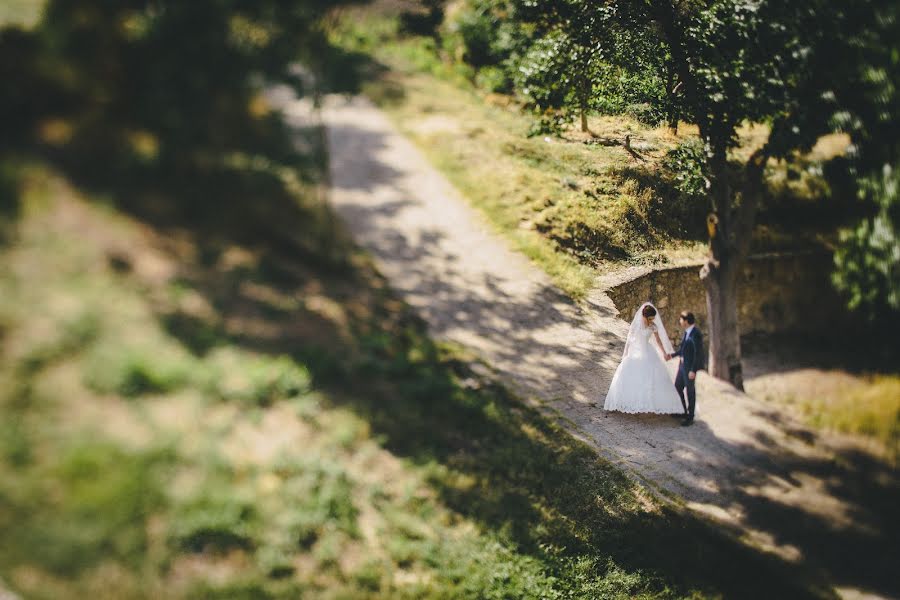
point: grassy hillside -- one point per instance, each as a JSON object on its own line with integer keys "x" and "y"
{"x": 577, "y": 203}
{"x": 192, "y": 412}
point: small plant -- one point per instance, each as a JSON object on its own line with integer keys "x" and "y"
{"x": 493, "y": 79}
{"x": 215, "y": 522}
{"x": 134, "y": 371}
{"x": 645, "y": 113}
{"x": 257, "y": 381}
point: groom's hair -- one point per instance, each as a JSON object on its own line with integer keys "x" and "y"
{"x": 689, "y": 317}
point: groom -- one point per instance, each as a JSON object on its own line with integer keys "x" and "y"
{"x": 691, "y": 353}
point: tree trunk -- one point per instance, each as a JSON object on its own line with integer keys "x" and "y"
{"x": 584, "y": 96}
{"x": 719, "y": 275}
{"x": 730, "y": 233}
{"x": 724, "y": 333}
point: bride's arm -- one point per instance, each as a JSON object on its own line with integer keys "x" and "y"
{"x": 659, "y": 342}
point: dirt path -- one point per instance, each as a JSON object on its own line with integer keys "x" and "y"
{"x": 774, "y": 482}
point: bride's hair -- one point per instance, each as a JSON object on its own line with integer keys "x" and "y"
{"x": 649, "y": 312}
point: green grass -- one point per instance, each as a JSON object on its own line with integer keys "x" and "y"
{"x": 332, "y": 450}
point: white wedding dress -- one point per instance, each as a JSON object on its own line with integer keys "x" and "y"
{"x": 642, "y": 383}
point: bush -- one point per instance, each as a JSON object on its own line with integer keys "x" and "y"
{"x": 493, "y": 79}
{"x": 645, "y": 113}
{"x": 549, "y": 122}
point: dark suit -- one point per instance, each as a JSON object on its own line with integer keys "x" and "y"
{"x": 691, "y": 353}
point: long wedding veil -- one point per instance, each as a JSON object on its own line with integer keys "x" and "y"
{"x": 638, "y": 322}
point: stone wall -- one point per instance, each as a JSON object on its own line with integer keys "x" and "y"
{"x": 776, "y": 294}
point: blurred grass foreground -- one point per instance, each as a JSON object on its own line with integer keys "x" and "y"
{"x": 207, "y": 392}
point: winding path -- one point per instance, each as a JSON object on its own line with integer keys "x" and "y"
{"x": 745, "y": 466}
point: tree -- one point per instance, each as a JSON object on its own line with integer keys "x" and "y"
{"x": 176, "y": 76}
{"x": 806, "y": 68}
{"x": 747, "y": 61}
{"x": 868, "y": 259}
{"x": 575, "y": 41}
{"x": 593, "y": 56}
{"x": 865, "y": 102}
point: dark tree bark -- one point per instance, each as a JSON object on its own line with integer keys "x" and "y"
{"x": 730, "y": 233}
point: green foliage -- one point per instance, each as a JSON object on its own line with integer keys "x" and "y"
{"x": 214, "y": 521}
{"x": 136, "y": 370}
{"x": 493, "y": 79}
{"x": 153, "y": 88}
{"x": 101, "y": 497}
{"x": 687, "y": 166}
{"x": 255, "y": 380}
{"x": 541, "y": 75}
{"x": 644, "y": 113}
{"x": 863, "y": 100}
{"x": 486, "y": 36}
{"x": 868, "y": 258}
{"x": 238, "y": 590}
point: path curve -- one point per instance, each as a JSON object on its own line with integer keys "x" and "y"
{"x": 740, "y": 463}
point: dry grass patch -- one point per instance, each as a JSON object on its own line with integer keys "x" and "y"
{"x": 833, "y": 400}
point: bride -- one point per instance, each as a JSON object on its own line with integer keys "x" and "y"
{"x": 642, "y": 383}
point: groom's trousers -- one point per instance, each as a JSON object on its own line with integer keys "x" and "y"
{"x": 682, "y": 383}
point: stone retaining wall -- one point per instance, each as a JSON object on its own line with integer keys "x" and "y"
{"x": 776, "y": 294}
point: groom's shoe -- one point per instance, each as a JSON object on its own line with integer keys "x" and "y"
{"x": 687, "y": 421}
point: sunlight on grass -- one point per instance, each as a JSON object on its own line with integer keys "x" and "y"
{"x": 865, "y": 405}
{"x": 870, "y": 407}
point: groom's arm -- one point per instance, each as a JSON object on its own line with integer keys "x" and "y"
{"x": 689, "y": 353}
